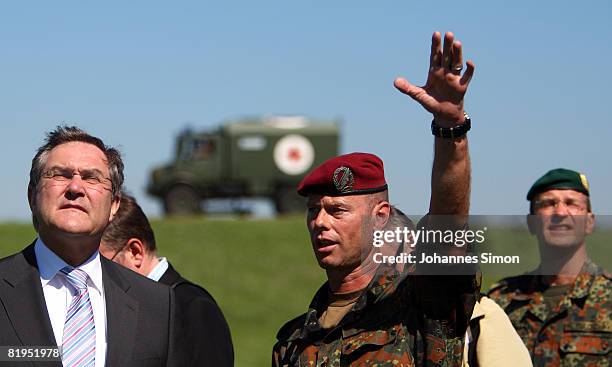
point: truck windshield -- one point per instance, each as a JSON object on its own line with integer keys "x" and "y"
{"x": 198, "y": 149}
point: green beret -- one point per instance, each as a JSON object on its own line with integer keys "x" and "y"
{"x": 560, "y": 178}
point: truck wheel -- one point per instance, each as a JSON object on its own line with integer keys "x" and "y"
{"x": 182, "y": 200}
{"x": 287, "y": 200}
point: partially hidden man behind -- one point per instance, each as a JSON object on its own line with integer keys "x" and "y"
{"x": 563, "y": 309}
{"x": 59, "y": 291}
{"x": 490, "y": 339}
{"x": 362, "y": 315}
{"x": 129, "y": 240}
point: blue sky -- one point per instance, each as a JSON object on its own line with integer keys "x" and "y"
{"x": 136, "y": 73}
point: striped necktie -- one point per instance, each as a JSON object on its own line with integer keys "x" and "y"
{"x": 79, "y": 342}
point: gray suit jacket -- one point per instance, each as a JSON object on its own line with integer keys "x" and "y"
{"x": 143, "y": 325}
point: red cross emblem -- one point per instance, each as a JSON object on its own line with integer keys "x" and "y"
{"x": 294, "y": 154}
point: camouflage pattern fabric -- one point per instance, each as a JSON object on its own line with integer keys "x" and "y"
{"x": 577, "y": 332}
{"x": 398, "y": 321}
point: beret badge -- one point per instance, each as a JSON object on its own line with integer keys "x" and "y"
{"x": 343, "y": 179}
{"x": 584, "y": 181}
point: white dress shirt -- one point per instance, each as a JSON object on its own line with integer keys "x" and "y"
{"x": 159, "y": 269}
{"x": 58, "y": 294}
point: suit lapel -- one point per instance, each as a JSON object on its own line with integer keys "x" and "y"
{"x": 22, "y": 295}
{"x": 121, "y": 316}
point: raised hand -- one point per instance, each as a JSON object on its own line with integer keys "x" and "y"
{"x": 443, "y": 93}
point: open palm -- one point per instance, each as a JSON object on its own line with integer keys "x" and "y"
{"x": 442, "y": 94}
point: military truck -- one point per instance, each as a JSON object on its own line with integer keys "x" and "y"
{"x": 245, "y": 158}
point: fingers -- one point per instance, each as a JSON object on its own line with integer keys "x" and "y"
{"x": 469, "y": 72}
{"x": 457, "y": 63}
{"x": 417, "y": 93}
{"x": 405, "y": 87}
{"x": 447, "y": 51}
{"x": 435, "y": 58}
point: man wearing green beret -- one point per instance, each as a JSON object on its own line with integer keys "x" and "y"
{"x": 563, "y": 309}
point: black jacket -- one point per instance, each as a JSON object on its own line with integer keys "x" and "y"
{"x": 207, "y": 336}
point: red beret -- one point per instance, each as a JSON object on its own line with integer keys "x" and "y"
{"x": 349, "y": 174}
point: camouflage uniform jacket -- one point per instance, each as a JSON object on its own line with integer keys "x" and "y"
{"x": 577, "y": 332}
{"x": 387, "y": 326}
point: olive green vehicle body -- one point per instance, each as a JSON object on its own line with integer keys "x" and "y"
{"x": 238, "y": 160}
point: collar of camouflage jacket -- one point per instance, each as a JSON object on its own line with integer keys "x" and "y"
{"x": 384, "y": 283}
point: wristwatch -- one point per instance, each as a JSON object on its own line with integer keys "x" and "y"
{"x": 452, "y": 132}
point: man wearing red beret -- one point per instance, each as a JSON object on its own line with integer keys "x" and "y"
{"x": 364, "y": 316}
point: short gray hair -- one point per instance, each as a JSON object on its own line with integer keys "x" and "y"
{"x": 397, "y": 219}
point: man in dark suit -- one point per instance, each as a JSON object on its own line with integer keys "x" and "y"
{"x": 59, "y": 291}
{"x": 130, "y": 241}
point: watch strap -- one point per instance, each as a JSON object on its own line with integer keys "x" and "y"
{"x": 452, "y": 132}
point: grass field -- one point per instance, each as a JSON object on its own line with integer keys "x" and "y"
{"x": 263, "y": 273}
